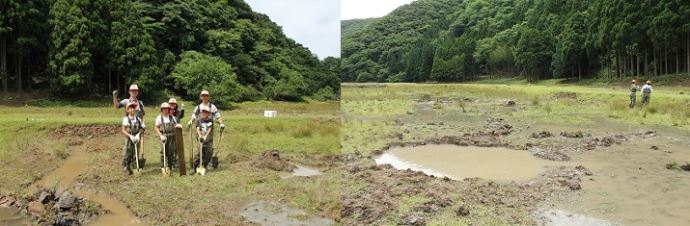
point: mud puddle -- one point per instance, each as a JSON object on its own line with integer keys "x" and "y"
{"x": 268, "y": 213}
{"x": 9, "y": 216}
{"x": 65, "y": 176}
{"x": 458, "y": 162}
{"x": 631, "y": 185}
{"x": 563, "y": 218}
{"x": 301, "y": 171}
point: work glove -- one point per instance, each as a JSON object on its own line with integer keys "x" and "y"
{"x": 202, "y": 139}
{"x": 163, "y": 138}
{"x": 137, "y": 137}
{"x": 143, "y": 126}
{"x": 189, "y": 123}
{"x": 114, "y": 92}
{"x": 181, "y": 105}
{"x": 222, "y": 126}
{"x": 131, "y": 138}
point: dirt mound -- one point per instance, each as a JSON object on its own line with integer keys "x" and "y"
{"x": 87, "y": 131}
{"x": 480, "y": 139}
{"x": 573, "y": 134}
{"x": 565, "y": 95}
{"x": 271, "y": 160}
{"x": 549, "y": 153}
{"x": 384, "y": 185}
{"x": 498, "y": 126}
{"x": 47, "y": 207}
{"x": 542, "y": 134}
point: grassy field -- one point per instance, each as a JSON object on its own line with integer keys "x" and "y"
{"x": 369, "y": 110}
{"x": 375, "y": 115}
{"x": 304, "y": 133}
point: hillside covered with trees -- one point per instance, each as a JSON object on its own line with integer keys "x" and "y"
{"x": 72, "y": 47}
{"x": 452, "y": 40}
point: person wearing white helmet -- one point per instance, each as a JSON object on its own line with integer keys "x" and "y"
{"x": 215, "y": 114}
{"x": 133, "y": 94}
{"x": 132, "y": 127}
{"x": 165, "y": 128}
{"x": 178, "y": 113}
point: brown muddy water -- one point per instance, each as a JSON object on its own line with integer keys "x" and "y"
{"x": 268, "y": 214}
{"x": 9, "y": 216}
{"x": 631, "y": 185}
{"x": 301, "y": 171}
{"x": 458, "y": 162}
{"x": 65, "y": 176}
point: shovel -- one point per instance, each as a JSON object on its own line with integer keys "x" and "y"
{"x": 200, "y": 169}
{"x": 136, "y": 156}
{"x": 141, "y": 161}
{"x": 165, "y": 170}
{"x": 214, "y": 159}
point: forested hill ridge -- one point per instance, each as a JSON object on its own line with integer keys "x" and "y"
{"x": 76, "y": 47}
{"x": 452, "y": 40}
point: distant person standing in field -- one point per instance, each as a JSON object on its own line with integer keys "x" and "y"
{"x": 633, "y": 93}
{"x": 646, "y": 93}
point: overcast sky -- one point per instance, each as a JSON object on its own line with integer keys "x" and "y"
{"x": 352, "y": 9}
{"x": 313, "y": 23}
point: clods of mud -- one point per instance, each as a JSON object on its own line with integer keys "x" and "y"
{"x": 269, "y": 213}
{"x": 48, "y": 207}
{"x": 271, "y": 160}
{"x": 563, "y": 218}
{"x": 301, "y": 171}
{"x": 458, "y": 162}
{"x": 87, "y": 131}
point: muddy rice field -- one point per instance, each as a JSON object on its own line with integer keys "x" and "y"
{"x": 66, "y": 169}
{"x": 442, "y": 154}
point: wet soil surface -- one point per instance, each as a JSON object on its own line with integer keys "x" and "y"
{"x": 86, "y": 131}
{"x": 268, "y": 213}
{"x": 383, "y": 185}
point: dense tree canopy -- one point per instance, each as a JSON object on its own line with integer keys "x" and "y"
{"x": 73, "y": 47}
{"x": 452, "y": 40}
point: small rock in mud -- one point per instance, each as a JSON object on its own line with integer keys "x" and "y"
{"x": 413, "y": 220}
{"x": 45, "y": 197}
{"x": 685, "y": 166}
{"x": 462, "y": 211}
{"x": 67, "y": 200}
{"x": 510, "y": 103}
{"x": 573, "y": 134}
{"x": 542, "y": 134}
{"x": 272, "y": 160}
{"x": 36, "y": 209}
{"x": 654, "y": 147}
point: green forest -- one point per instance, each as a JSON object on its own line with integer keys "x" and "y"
{"x": 452, "y": 40}
{"x": 76, "y": 47}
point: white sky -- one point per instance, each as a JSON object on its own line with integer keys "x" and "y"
{"x": 351, "y": 9}
{"x": 313, "y": 23}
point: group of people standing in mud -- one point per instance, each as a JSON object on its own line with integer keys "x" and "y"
{"x": 646, "y": 93}
{"x": 133, "y": 127}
